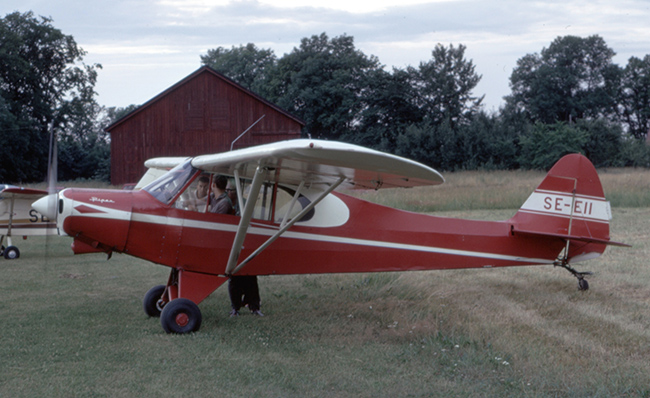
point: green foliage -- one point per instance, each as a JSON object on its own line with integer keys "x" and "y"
{"x": 321, "y": 82}
{"x": 429, "y": 113}
{"x": 389, "y": 107}
{"x": 570, "y": 97}
{"x": 444, "y": 86}
{"x": 43, "y": 92}
{"x": 84, "y": 159}
{"x": 247, "y": 65}
{"x": 14, "y": 140}
{"x": 634, "y": 96}
{"x": 634, "y": 153}
{"x": 603, "y": 146}
{"x": 573, "y": 78}
{"x": 485, "y": 141}
{"x": 546, "y": 143}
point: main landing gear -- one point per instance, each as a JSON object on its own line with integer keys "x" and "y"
{"x": 582, "y": 282}
{"x": 153, "y": 302}
{"x": 10, "y": 253}
{"x": 179, "y": 315}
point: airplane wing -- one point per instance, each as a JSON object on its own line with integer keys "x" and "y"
{"x": 22, "y": 193}
{"x": 321, "y": 162}
{"x": 164, "y": 163}
{"x": 309, "y": 163}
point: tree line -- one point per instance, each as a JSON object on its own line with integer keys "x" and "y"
{"x": 570, "y": 97}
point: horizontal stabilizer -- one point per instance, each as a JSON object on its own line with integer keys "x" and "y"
{"x": 586, "y": 239}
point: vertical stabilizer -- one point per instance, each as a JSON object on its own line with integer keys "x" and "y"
{"x": 570, "y": 205}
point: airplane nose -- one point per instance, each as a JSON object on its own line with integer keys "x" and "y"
{"x": 47, "y": 206}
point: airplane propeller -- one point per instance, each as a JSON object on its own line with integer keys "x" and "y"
{"x": 47, "y": 204}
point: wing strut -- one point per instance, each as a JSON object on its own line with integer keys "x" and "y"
{"x": 246, "y": 216}
{"x": 240, "y": 197}
{"x": 292, "y": 203}
{"x": 284, "y": 228}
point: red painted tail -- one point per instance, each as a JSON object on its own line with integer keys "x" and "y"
{"x": 569, "y": 205}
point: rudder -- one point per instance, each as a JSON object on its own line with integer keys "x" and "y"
{"x": 570, "y": 205}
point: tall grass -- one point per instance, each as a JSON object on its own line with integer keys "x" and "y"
{"x": 472, "y": 190}
{"x": 73, "y": 326}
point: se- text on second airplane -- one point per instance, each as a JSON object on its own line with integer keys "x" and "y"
{"x": 18, "y": 218}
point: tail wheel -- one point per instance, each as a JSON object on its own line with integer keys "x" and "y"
{"x": 583, "y": 284}
{"x": 11, "y": 253}
{"x": 153, "y": 303}
{"x": 180, "y": 316}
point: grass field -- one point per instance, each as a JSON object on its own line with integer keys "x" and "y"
{"x": 477, "y": 190}
{"x": 73, "y": 326}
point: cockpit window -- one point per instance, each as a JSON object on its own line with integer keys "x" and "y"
{"x": 168, "y": 185}
{"x": 275, "y": 203}
{"x": 285, "y": 209}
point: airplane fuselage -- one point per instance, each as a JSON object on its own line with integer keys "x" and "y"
{"x": 372, "y": 237}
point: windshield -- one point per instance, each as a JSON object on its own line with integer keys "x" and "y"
{"x": 168, "y": 185}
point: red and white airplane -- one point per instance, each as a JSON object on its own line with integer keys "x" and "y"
{"x": 18, "y": 218}
{"x": 293, "y": 222}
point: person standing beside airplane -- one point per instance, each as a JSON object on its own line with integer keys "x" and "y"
{"x": 242, "y": 289}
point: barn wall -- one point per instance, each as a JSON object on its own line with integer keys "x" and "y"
{"x": 202, "y": 115}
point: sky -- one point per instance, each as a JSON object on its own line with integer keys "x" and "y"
{"x": 146, "y": 46}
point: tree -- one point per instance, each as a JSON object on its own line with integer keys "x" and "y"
{"x": 634, "y": 98}
{"x": 246, "y": 65}
{"x": 42, "y": 88}
{"x": 573, "y": 78}
{"x": 389, "y": 106}
{"x": 321, "y": 82}
{"x": 489, "y": 142}
{"x": 546, "y": 143}
{"x": 84, "y": 149}
{"x": 435, "y": 98}
{"x": 444, "y": 86}
{"x": 13, "y": 142}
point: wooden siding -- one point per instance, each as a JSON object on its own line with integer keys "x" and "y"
{"x": 202, "y": 114}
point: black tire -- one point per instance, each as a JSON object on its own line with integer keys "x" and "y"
{"x": 150, "y": 302}
{"x": 583, "y": 284}
{"x": 180, "y": 316}
{"x": 11, "y": 253}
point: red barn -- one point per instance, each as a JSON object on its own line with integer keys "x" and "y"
{"x": 203, "y": 113}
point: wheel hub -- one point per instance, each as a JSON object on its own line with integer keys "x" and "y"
{"x": 182, "y": 319}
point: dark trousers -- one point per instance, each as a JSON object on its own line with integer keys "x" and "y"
{"x": 244, "y": 290}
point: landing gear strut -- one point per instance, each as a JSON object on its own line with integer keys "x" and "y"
{"x": 582, "y": 282}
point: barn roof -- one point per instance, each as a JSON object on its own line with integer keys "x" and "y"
{"x": 201, "y": 70}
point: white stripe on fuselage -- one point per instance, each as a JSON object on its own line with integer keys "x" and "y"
{"x": 265, "y": 230}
